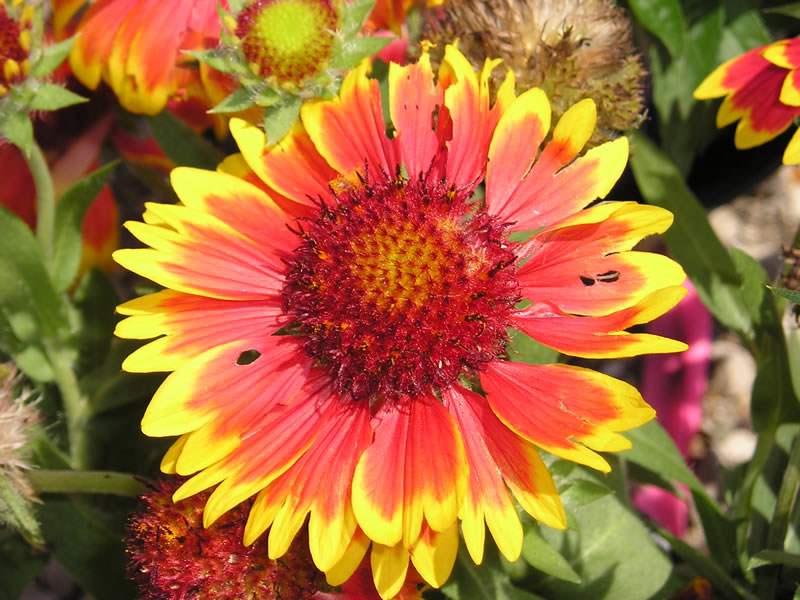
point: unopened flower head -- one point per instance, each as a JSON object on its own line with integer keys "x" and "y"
{"x": 18, "y": 426}
{"x": 572, "y": 49}
{"x": 15, "y": 45}
{"x": 173, "y": 557}
{"x": 288, "y": 41}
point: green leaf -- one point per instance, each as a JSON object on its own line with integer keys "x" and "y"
{"x": 51, "y": 96}
{"x": 355, "y": 49}
{"x": 790, "y": 295}
{"x": 17, "y": 128}
{"x": 353, "y": 16}
{"x": 583, "y": 491}
{"x": 542, "y": 556}
{"x": 218, "y": 60}
{"x": 29, "y": 356}
{"x": 664, "y": 19}
{"x": 31, "y": 302}
{"x": 524, "y": 348}
{"x": 707, "y": 567}
{"x": 240, "y": 99}
{"x": 485, "y": 582}
{"x": 95, "y": 300}
{"x": 52, "y": 56}
{"x": 612, "y": 552}
{"x": 653, "y": 449}
{"x": 88, "y": 544}
{"x": 70, "y": 210}
{"x": 790, "y": 10}
{"x": 774, "y": 557}
{"x": 181, "y": 144}
{"x": 279, "y": 118}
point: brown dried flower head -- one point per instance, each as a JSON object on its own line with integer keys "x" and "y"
{"x": 572, "y": 49}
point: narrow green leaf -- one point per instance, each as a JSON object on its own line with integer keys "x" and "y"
{"x": 239, "y": 99}
{"x": 279, "y": 118}
{"x": 353, "y": 16}
{"x": 542, "y": 556}
{"x": 774, "y": 557}
{"x": 267, "y": 98}
{"x": 790, "y": 295}
{"x": 721, "y": 582}
{"x": 51, "y": 96}
{"x": 70, "y": 210}
{"x": 790, "y": 10}
{"x": 664, "y": 19}
{"x": 17, "y": 128}
{"x": 52, "y": 56}
{"x": 355, "y": 49}
{"x": 181, "y": 144}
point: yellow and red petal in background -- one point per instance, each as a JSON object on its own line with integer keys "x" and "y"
{"x": 137, "y": 46}
{"x": 762, "y": 92}
{"x": 388, "y": 412}
{"x": 100, "y": 228}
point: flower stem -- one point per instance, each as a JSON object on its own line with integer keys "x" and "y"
{"x": 85, "y": 482}
{"x": 76, "y": 405}
{"x": 45, "y": 202}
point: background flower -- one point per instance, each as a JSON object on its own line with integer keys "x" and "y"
{"x": 762, "y": 92}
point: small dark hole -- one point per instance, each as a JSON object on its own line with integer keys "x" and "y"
{"x": 247, "y": 357}
{"x": 587, "y": 281}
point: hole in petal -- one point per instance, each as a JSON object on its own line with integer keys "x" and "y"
{"x": 586, "y": 280}
{"x": 248, "y": 357}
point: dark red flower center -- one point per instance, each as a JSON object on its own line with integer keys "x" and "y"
{"x": 13, "y": 54}
{"x": 288, "y": 41}
{"x": 401, "y": 286}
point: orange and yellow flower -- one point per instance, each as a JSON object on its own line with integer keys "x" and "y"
{"x": 762, "y": 92}
{"x": 337, "y": 308}
{"x": 137, "y": 46}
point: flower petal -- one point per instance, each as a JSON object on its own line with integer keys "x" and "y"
{"x": 214, "y": 386}
{"x": 565, "y": 409}
{"x": 415, "y": 467}
{"x": 602, "y": 336}
{"x": 434, "y": 554}
{"x": 292, "y": 166}
{"x": 494, "y": 451}
{"x": 466, "y": 99}
{"x": 260, "y": 459}
{"x": 196, "y": 252}
{"x": 514, "y": 147}
{"x": 344, "y": 569}
{"x": 348, "y": 130}
{"x": 551, "y": 191}
{"x": 731, "y": 75}
{"x": 413, "y": 97}
{"x": 389, "y": 567}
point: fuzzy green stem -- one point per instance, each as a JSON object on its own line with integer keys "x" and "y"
{"x": 45, "y": 202}
{"x": 76, "y": 405}
{"x": 84, "y": 482}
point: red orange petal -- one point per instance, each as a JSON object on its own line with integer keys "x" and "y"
{"x": 563, "y": 409}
